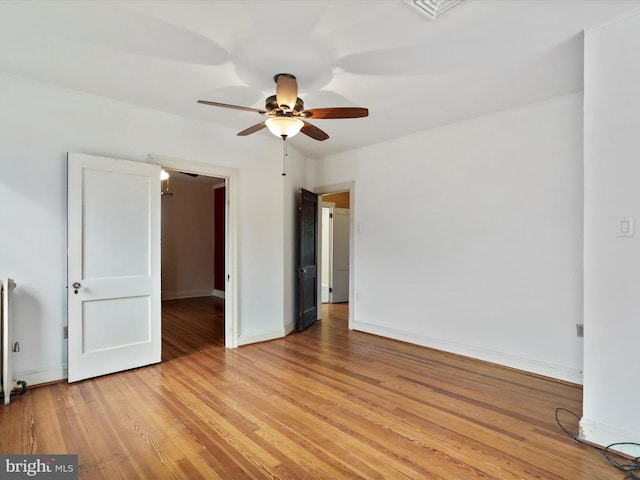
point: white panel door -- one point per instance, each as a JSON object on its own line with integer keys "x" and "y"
{"x": 114, "y": 307}
{"x": 340, "y": 256}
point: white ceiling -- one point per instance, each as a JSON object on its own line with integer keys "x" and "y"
{"x": 411, "y": 72}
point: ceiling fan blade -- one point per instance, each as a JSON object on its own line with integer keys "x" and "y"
{"x": 256, "y": 128}
{"x": 235, "y": 107}
{"x": 314, "y": 132}
{"x": 286, "y": 91}
{"x": 336, "y": 112}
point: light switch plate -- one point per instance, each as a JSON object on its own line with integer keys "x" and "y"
{"x": 625, "y": 227}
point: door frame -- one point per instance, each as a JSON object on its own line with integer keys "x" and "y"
{"x": 338, "y": 188}
{"x": 230, "y": 176}
{"x": 329, "y": 251}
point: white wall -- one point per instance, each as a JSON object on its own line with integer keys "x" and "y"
{"x": 612, "y": 264}
{"x": 469, "y": 236}
{"x": 38, "y": 126}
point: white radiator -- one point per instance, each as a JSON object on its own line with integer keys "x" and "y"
{"x": 6, "y": 347}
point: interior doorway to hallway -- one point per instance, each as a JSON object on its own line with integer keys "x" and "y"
{"x": 335, "y": 246}
{"x": 224, "y": 176}
{"x": 345, "y": 192}
{"x": 193, "y": 254}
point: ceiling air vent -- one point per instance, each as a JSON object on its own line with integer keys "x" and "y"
{"x": 433, "y": 8}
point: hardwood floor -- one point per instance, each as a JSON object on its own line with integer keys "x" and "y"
{"x": 327, "y": 403}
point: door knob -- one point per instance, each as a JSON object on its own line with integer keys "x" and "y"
{"x": 76, "y": 286}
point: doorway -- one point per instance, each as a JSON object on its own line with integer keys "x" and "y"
{"x": 339, "y": 198}
{"x": 335, "y": 248}
{"x": 192, "y": 250}
{"x": 197, "y": 277}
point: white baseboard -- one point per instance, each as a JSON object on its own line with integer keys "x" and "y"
{"x": 512, "y": 361}
{"x": 218, "y": 293}
{"x": 46, "y": 375}
{"x": 289, "y": 327}
{"x": 187, "y": 294}
{"x": 604, "y": 435}
{"x": 260, "y": 337}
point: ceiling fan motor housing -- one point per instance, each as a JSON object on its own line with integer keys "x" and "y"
{"x": 286, "y": 91}
{"x": 272, "y": 107}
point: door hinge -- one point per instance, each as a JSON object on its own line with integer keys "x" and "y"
{"x": 331, "y": 215}
{"x": 330, "y": 290}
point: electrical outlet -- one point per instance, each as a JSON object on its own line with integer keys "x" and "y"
{"x": 65, "y": 332}
{"x": 579, "y": 330}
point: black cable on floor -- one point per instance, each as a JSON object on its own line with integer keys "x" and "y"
{"x": 631, "y": 469}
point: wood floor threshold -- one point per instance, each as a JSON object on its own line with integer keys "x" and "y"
{"x": 325, "y": 403}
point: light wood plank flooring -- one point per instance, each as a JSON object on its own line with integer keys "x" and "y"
{"x": 327, "y": 403}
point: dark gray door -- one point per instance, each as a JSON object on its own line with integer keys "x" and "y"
{"x": 307, "y": 266}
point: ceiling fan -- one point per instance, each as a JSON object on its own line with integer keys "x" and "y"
{"x": 287, "y": 115}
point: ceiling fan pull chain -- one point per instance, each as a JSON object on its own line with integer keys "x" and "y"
{"x": 284, "y": 155}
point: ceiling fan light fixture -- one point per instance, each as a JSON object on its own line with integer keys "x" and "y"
{"x": 284, "y": 126}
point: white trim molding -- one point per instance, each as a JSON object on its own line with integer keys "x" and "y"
{"x": 537, "y": 367}
{"x": 188, "y": 294}
{"x": 43, "y": 375}
{"x": 601, "y": 435}
{"x": 261, "y": 337}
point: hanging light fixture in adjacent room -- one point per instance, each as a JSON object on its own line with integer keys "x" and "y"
{"x": 164, "y": 182}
